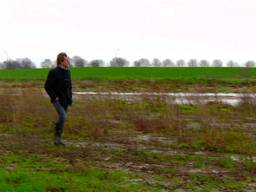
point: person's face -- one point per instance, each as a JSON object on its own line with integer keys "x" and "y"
{"x": 65, "y": 63}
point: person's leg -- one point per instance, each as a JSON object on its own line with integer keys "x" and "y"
{"x": 59, "y": 125}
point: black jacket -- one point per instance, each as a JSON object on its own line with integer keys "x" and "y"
{"x": 58, "y": 85}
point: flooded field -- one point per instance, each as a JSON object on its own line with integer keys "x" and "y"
{"x": 179, "y": 98}
{"x": 132, "y": 141}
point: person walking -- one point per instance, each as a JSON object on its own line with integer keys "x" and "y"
{"x": 58, "y": 86}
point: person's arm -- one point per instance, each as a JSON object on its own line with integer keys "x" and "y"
{"x": 49, "y": 86}
{"x": 71, "y": 100}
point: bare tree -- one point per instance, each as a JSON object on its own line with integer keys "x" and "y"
{"x": 23, "y": 63}
{"x": 204, "y": 63}
{"x": 250, "y": 64}
{"x": 26, "y": 63}
{"x": 143, "y": 62}
{"x": 47, "y": 63}
{"x": 156, "y": 63}
{"x": 119, "y": 62}
{"x": 78, "y": 61}
{"x": 11, "y": 64}
{"x": 231, "y": 63}
{"x": 168, "y": 63}
{"x": 181, "y": 63}
{"x": 217, "y": 63}
{"x": 192, "y": 63}
{"x": 96, "y": 63}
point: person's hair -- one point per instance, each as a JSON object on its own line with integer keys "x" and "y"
{"x": 60, "y": 57}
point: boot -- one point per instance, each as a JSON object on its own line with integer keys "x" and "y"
{"x": 58, "y": 141}
{"x": 57, "y": 134}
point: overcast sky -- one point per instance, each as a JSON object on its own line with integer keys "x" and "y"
{"x": 102, "y": 29}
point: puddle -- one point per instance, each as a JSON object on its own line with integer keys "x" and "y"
{"x": 240, "y": 158}
{"x": 181, "y": 94}
{"x": 151, "y": 138}
{"x": 84, "y": 144}
{"x": 179, "y": 98}
{"x": 140, "y": 138}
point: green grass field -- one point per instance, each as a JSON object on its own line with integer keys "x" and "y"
{"x": 122, "y": 146}
{"x": 146, "y": 146}
{"x": 142, "y": 73}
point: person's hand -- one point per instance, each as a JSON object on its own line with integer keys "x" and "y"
{"x": 56, "y": 99}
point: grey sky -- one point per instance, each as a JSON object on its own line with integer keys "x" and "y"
{"x": 95, "y": 29}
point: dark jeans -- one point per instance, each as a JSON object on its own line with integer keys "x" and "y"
{"x": 62, "y": 114}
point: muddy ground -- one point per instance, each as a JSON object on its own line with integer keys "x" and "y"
{"x": 168, "y": 147}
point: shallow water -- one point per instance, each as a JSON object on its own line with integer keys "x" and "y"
{"x": 181, "y": 98}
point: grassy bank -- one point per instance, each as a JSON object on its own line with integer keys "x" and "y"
{"x": 239, "y": 80}
{"x": 142, "y": 73}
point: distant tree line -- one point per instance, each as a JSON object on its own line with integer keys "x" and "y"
{"x": 77, "y": 61}
{"x": 23, "y": 63}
